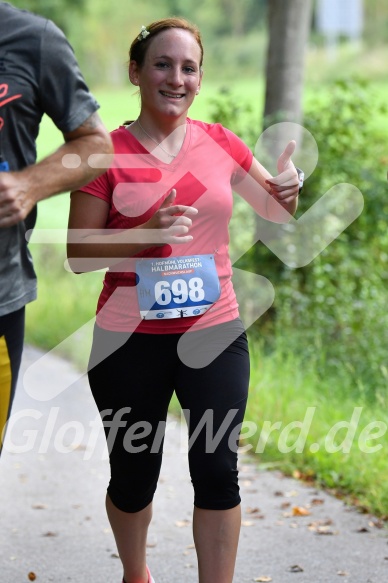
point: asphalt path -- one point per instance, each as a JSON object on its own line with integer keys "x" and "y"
{"x": 53, "y": 477}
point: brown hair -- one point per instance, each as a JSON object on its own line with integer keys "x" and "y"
{"x": 138, "y": 49}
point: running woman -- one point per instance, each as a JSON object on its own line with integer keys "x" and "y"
{"x": 167, "y": 317}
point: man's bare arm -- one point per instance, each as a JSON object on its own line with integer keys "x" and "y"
{"x": 65, "y": 170}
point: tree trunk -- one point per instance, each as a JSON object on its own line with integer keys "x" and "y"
{"x": 289, "y": 24}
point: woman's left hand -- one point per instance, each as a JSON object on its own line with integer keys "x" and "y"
{"x": 285, "y": 186}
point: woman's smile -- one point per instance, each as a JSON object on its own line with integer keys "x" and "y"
{"x": 172, "y": 95}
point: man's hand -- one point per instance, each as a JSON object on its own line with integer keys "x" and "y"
{"x": 20, "y": 191}
{"x": 15, "y": 204}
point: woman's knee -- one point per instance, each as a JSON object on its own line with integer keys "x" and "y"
{"x": 134, "y": 481}
{"x": 215, "y": 482}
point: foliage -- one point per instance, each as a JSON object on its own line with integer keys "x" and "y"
{"x": 234, "y": 114}
{"x": 335, "y": 305}
{"x": 243, "y": 16}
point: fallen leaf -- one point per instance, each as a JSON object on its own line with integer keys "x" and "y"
{"x": 247, "y": 523}
{"x": 292, "y": 493}
{"x": 278, "y": 493}
{"x": 295, "y": 569}
{"x": 307, "y": 476}
{"x": 300, "y": 511}
{"x": 322, "y": 526}
{"x": 39, "y": 506}
{"x": 50, "y": 533}
{"x": 285, "y": 505}
{"x": 263, "y": 579}
{"x": 79, "y": 447}
{"x": 31, "y": 576}
{"x": 342, "y": 573}
{"x": 182, "y": 523}
{"x": 325, "y": 522}
{"x": 317, "y": 501}
{"x": 115, "y": 556}
{"x": 250, "y": 510}
{"x": 362, "y": 529}
{"x": 376, "y": 523}
{"x": 324, "y": 530}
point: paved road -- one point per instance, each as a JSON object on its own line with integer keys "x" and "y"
{"x": 53, "y": 476}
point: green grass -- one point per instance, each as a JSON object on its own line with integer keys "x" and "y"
{"x": 349, "y": 433}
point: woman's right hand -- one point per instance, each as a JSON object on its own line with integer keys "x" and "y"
{"x": 91, "y": 246}
{"x": 171, "y": 222}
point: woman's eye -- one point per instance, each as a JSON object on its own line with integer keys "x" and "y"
{"x": 161, "y": 65}
{"x": 189, "y": 70}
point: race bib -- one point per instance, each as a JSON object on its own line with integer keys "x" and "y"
{"x": 176, "y": 287}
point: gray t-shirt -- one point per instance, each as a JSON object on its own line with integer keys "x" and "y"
{"x": 38, "y": 74}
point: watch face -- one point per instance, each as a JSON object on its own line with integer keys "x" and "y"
{"x": 300, "y": 176}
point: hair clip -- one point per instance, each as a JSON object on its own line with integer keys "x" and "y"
{"x": 143, "y": 33}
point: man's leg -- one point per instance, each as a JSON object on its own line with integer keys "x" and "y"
{"x": 11, "y": 348}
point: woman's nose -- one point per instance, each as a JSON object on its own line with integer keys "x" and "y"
{"x": 175, "y": 77}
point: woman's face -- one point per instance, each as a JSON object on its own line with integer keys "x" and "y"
{"x": 170, "y": 75}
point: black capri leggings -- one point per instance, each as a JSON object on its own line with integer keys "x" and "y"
{"x": 133, "y": 387}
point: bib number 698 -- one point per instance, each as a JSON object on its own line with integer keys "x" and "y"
{"x": 179, "y": 291}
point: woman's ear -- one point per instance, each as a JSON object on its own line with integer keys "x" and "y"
{"x": 133, "y": 73}
{"x": 200, "y": 81}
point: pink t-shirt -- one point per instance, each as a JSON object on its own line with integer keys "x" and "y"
{"x": 135, "y": 185}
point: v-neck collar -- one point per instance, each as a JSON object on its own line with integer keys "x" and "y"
{"x": 153, "y": 160}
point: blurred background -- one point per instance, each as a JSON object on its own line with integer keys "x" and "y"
{"x": 235, "y": 35}
{"x": 323, "y": 343}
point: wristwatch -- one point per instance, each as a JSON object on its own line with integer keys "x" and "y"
{"x": 301, "y": 178}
